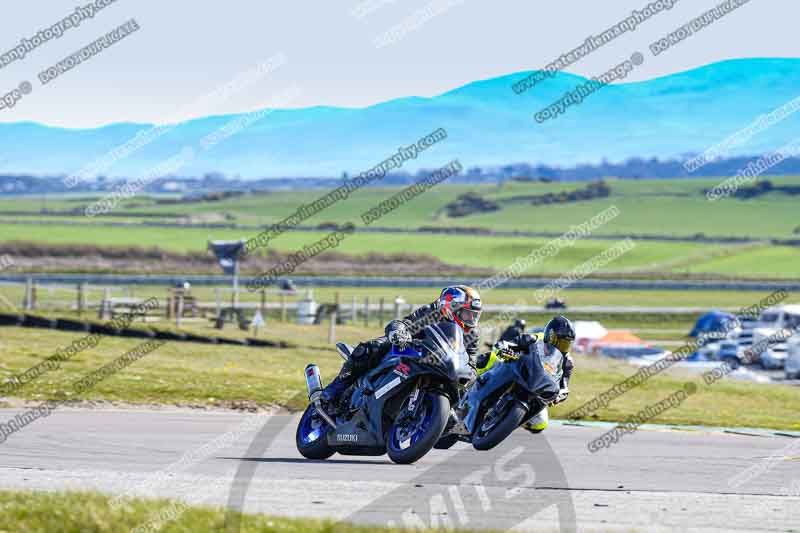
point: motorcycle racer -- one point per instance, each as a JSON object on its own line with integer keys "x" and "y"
{"x": 459, "y": 304}
{"x": 558, "y": 334}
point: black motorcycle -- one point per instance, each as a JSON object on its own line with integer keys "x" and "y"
{"x": 400, "y": 407}
{"x": 514, "y": 385}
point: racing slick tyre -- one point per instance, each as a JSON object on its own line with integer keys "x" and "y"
{"x": 494, "y": 430}
{"x": 409, "y": 439}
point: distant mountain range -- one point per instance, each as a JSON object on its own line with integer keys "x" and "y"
{"x": 486, "y": 122}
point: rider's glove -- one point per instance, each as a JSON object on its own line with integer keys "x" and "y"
{"x": 399, "y": 336}
{"x": 524, "y": 341}
{"x": 501, "y": 345}
{"x": 563, "y": 394}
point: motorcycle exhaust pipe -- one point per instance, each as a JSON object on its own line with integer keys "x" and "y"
{"x": 314, "y": 385}
{"x": 313, "y": 382}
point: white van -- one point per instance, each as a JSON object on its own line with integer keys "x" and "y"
{"x": 776, "y": 318}
{"x": 780, "y": 316}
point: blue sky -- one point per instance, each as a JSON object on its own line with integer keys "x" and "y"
{"x": 185, "y": 49}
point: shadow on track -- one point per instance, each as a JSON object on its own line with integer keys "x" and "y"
{"x": 298, "y": 460}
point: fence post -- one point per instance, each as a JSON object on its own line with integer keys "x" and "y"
{"x": 218, "y": 297}
{"x": 179, "y": 310}
{"x": 366, "y": 311}
{"x": 87, "y": 298}
{"x": 34, "y": 290}
{"x": 81, "y": 298}
{"x": 105, "y": 306}
{"x": 332, "y": 328}
{"x": 334, "y": 317}
{"x": 380, "y": 311}
{"x": 28, "y": 298}
{"x": 283, "y": 307}
{"x": 353, "y": 308}
{"x": 263, "y": 302}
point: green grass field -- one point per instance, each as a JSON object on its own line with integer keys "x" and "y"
{"x": 652, "y": 207}
{"x": 660, "y": 207}
{"x": 86, "y": 512}
{"x": 480, "y": 252}
{"x": 241, "y": 377}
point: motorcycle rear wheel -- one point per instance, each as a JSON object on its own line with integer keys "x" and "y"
{"x": 510, "y": 421}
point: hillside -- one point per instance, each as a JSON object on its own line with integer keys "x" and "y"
{"x": 487, "y": 124}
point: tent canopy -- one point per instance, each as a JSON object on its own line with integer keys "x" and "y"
{"x": 711, "y": 321}
{"x": 589, "y": 329}
{"x": 620, "y": 337}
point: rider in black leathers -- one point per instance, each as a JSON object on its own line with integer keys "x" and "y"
{"x": 558, "y": 334}
{"x": 459, "y": 304}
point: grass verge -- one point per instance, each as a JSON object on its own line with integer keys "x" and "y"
{"x": 73, "y": 512}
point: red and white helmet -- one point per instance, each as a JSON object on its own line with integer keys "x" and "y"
{"x": 462, "y": 305}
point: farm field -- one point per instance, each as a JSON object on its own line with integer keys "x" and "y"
{"x": 655, "y": 207}
{"x": 476, "y": 252}
{"x": 665, "y": 208}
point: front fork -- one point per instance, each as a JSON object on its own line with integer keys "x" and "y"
{"x": 412, "y": 409}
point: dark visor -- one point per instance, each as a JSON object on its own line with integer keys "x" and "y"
{"x": 469, "y": 317}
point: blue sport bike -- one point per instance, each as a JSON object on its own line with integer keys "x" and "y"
{"x": 401, "y": 407}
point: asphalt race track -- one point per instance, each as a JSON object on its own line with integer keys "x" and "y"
{"x": 649, "y": 480}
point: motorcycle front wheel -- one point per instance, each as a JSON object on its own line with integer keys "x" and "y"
{"x": 495, "y": 427}
{"x": 409, "y": 439}
{"x": 311, "y": 437}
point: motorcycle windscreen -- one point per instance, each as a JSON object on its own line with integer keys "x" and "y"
{"x": 553, "y": 363}
{"x": 444, "y": 347}
{"x": 537, "y": 377}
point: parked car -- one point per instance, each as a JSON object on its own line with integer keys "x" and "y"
{"x": 748, "y": 322}
{"x": 774, "y": 357}
{"x": 744, "y": 338}
{"x": 709, "y": 351}
{"x": 792, "y": 365}
{"x": 729, "y": 352}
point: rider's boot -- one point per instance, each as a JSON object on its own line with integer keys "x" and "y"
{"x": 538, "y": 422}
{"x": 334, "y": 390}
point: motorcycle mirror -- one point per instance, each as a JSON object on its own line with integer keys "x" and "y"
{"x": 344, "y": 350}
